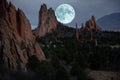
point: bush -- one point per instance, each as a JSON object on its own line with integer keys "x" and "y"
{"x": 43, "y": 69}
{"x": 33, "y": 63}
{"x": 62, "y": 74}
{"x": 79, "y": 72}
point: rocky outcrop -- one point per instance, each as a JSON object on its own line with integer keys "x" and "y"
{"x": 47, "y": 21}
{"x": 91, "y": 25}
{"x": 17, "y": 42}
{"x": 85, "y": 33}
{"x": 24, "y": 27}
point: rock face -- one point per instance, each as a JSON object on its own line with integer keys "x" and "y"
{"x": 86, "y": 31}
{"x": 17, "y": 42}
{"x": 91, "y": 25}
{"x": 24, "y": 27}
{"x": 47, "y": 21}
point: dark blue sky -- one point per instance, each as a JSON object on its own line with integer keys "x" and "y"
{"x": 84, "y": 8}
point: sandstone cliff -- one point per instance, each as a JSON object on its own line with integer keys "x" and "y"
{"x": 47, "y": 21}
{"x": 17, "y": 42}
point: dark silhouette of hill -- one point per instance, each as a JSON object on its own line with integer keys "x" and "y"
{"x": 110, "y": 22}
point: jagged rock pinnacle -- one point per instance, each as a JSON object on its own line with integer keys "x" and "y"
{"x": 17, "y": 42}
{"x": 47, "y": 21}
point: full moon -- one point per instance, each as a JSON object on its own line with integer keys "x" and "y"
{"x": 65, "y": 13}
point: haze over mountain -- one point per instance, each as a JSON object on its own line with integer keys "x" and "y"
{"x": 110, "y": 22}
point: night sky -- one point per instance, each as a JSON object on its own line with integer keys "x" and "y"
{"x": 84, "y": 8}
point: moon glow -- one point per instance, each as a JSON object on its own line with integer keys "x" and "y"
{"x": 65, "y": 13}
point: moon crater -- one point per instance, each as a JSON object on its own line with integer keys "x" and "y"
{"x": 65, "y": 13}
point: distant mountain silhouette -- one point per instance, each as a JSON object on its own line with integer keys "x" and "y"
{"x": 110, "y": 22}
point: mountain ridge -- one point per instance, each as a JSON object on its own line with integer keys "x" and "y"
{"x": 110, "y": 22}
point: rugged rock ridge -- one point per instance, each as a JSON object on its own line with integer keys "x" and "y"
{"x": 91, "y": 25}
{"x": 86, "y": 31}
{"x": 47, "y": 21}
{"x": 17, "y": 43}
{"x": 24, "y": 27}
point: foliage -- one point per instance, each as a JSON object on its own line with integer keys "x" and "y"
{"x": 46, "y": 71}
{"x": 71, "y": 57}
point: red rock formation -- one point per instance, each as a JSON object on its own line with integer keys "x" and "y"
{"x": 3, "y": 8}
{"x": 91, "y": 25}
{"x": 12, "y": 16}
{"x": 47, "y": 21}
{"x": 24, "y": 27}
{"x": 86, "y": 31}
{"x": 17, "y": 42}
{"x": 79, "y": 33}
{"x": 82, "y": 27}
